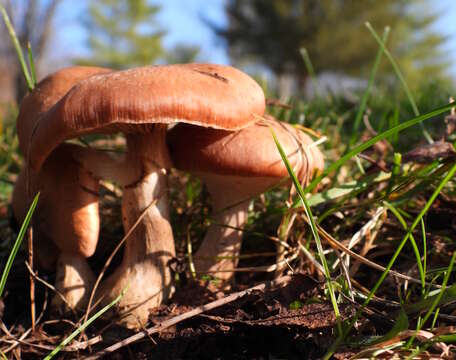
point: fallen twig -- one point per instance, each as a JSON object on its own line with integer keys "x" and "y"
{"x": 185, "y": 316}
{"x": 45, "y": 283}
{"x": 32, "y": 279}
{"x": 76, "y": 346}
{"x": 265, "y": 268}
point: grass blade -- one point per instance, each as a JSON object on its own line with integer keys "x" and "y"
{"x": 17, "y": 244}
{"x": 366, "y": 94}
{"x": 423, "y": 234}
{"x": 435, "y": 302}
{"x": 400, "y": 77}
{"x": 83, "y": 326}
{"x": 397, "y": 160}
{"x": 419, "y": 306}
{"x": 313, "y": 228}
{"x": 372, "y": 141}
{"x": 18, "y": 48}
{"x": 401, "y": 220}
{"x": 400, "y": 324}
{"x": 31, "y": 63}
{"x": 351, "y": 187}
{"x": 310, "y": 69}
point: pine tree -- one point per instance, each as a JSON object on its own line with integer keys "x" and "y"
{"x": 272, "y": 32}
{"x": 123, "y": 33}
{"x": 182, "y": 53}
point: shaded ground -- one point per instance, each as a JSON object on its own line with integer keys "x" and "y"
{"x": 294, "y": 321}
{"x": 278, "y": 323}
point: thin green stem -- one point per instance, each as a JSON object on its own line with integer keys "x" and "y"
{"x": 310, "y": 69}
{"x": 17, "y": 244}
{"x": 394, "y": 173}
{"x": 401, "y": 79}
{"x": 83, "y": 326}
{"x": 18, "y": 48}
{"x": 434, "y": 303}
{"x": 31, "y": 63}
{"x": 423, "y": 234}
{"x": 314, "y": 231}
{"x": 414, "y": 245}
{"x": 370, "y": 83}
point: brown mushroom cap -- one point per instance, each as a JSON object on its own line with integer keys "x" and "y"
{"x": 201, "y": 94}
{"x": 66, "y": 214}
{"x": 46, "y": 93}
{"x": 250, "y": 151}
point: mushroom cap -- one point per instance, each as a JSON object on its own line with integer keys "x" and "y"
{"x": 249, "y": 152}
{"x": 67, "y": 211}
{"x": 66, "y": 216}
{"x": 46, "y": 93}
{"x": 201, "y": 94}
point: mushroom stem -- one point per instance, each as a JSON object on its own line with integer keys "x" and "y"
{"x": 105, "y": 165}
{"x": 222, "y": 243}
{"x": 231, "y": 196}
{"x": 74, "y": 280}
{"x": 150, "y": 246}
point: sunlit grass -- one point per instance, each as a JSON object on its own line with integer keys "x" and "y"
{"x": 17, "y": 244}
{"x": 84, "y": 325}
{"x": 31, "y": 80}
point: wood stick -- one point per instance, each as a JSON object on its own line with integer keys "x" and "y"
{"x": 185, "y": 316}
{"x": 32, "y": 279}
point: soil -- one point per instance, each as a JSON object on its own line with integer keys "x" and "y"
{"x": 286, "y": 322}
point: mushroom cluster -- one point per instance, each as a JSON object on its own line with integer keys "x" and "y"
{"x": 219, "y": 138}
{"x": 140, "y": 103}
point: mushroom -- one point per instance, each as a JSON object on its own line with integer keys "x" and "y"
{"x": 141, "y": 103}
{"x": 66, "y": 221}
{"x": 46, "y": 93}
{"x": 235, "y": 166}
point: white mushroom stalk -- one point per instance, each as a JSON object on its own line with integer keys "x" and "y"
{"x": 144, "y": 268}
{"x": 231, "y": 197}
{"x": 141, "y": 172}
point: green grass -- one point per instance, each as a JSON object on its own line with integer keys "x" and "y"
{"x": 401, "y": 78}
{"x": 401, "y": 220}
{"x": 17, "y": 244}
{"x": 366, "y": 94}
{"x": 84, "y": 325}
{"x": 31, "y": 80}
{"x": 436, "y": 301}
{"x": 392, "y": 260}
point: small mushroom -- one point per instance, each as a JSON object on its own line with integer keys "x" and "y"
{"x": 141, "y": 103}
{"x": 236, "y": 166}
{"x": 66, "y": 222}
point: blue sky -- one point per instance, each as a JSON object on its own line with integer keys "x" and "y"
{"x": 182, "y": 20}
